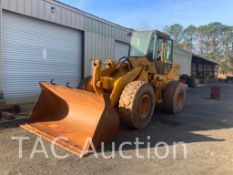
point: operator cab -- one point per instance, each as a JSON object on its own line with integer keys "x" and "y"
{"x": 155, "y": 46}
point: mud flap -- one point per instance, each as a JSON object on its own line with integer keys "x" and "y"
{"x": 72, "y": 118}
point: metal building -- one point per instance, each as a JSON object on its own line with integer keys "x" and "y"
{"x": 204, "y": 69}
{"x": 194, "y": 65}
{"x": 184, "y": 59}
{"x": 45, "y": 39}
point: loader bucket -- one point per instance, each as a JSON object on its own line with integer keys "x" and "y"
{"x": 73, "y": 117}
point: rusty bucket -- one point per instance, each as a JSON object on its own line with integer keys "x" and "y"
{"x": 73, "y": 114}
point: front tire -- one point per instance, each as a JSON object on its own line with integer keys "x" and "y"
{"x": 136, "y": 104}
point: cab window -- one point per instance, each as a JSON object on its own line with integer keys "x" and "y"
{"x": 151, "y": 50}
{"x": 159, "y": 49}
{"x": 168, "y": 53}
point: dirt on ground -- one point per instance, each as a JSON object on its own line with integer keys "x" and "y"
{"x": 200, "y": 141}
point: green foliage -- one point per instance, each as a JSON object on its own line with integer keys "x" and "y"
{"x": 176, "y": 31}
{"x": 213, "y": 41}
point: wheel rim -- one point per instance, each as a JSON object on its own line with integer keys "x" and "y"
{"x": 180, "y": 100}
{"x": 145, "y": 106}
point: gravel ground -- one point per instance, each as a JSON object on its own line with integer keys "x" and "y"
{"x": 206, "y": 126}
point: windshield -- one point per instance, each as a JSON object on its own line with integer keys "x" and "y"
{"x": 139, "y": 43}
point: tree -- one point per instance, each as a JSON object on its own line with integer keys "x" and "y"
{"x": 189, "y": 34}
{"x": 176, "y": 31}
{"x": 202, "y": 40}
{"x": 227, "y": 48}
{"x": 213, "y": 41}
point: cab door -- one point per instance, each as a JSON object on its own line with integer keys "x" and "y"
{"x": 163, "y": 55}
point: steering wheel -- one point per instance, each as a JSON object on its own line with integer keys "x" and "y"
{"x": 125, "y": 60}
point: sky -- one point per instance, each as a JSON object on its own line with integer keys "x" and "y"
{"x": 156, "y": 14}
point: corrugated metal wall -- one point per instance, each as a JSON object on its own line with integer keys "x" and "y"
{"x": 1, "y": 76}
{"x": 42, "y": 9}
{"x": 100, "y": 35}
{"x": 184, "y": 59}
{"x": 34, "y": 51}
{"x": 121, "y": 50}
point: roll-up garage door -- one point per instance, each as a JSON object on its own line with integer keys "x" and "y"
{"x": 121, "y": 49}
{"x": 34, "y": 51}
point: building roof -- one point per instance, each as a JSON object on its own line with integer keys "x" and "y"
{"x": 183, "y": 50}
{"x": 89, "y": 14}
{"x": 198, "y": 57}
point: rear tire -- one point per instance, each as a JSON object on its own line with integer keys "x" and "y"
{"x": 136, "y": 104}
{"x": 174, "y": 97}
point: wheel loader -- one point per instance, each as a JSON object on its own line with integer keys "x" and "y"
{"x": 119, "y": 91}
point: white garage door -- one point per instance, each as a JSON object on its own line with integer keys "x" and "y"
{"x": 121, "y": 49}
{"x": 36, "y": 51}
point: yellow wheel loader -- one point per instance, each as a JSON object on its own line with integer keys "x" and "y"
{"x": 125, "y": 90}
